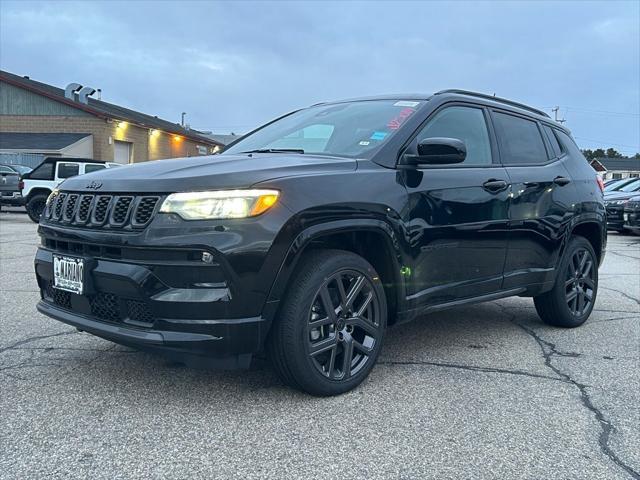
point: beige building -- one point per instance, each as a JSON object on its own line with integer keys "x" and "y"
{"x": 109, "y": 132}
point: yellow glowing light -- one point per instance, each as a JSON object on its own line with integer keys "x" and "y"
{"x": 122, "y": 124}
{"x": 264, "y": 203}
{"x": 177, "y": 138}
{"x": 154, "y": 133}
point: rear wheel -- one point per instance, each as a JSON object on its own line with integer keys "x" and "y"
{"x": 330, "y": 328}
{"x": 35, "y": 206}
{"x": 571, "y": 300}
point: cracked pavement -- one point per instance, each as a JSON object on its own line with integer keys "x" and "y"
{"x": 485, "y": 391}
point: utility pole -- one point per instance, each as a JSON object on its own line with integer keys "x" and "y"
{"x": 182, "y": 121}
{"x": 555, "y": 111}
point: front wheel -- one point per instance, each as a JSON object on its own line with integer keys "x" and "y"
{"x": 35, "y": 206}
{"x": 571, "y": 300}
{"x": 329, "y": 330}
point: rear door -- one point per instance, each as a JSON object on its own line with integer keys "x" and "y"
{"x": 542, "y": 195}
{"x": 458, "y": 215}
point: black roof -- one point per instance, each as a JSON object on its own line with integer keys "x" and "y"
{"x": 620, "y": 164}
{"x": 38, "y": 141}
{"x": 107, "y": 109}
{"x": 72, "y": 159}
{"x": 487, "y": 99}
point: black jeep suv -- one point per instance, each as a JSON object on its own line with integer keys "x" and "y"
{"x": 310, "y": 235}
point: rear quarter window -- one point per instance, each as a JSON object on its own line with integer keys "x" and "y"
{"x": 553, "y": 141}
{"x": 43, "y": 172}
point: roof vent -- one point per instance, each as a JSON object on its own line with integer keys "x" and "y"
{"x": 71, "y": 89}
{"x": 84, "y": 94}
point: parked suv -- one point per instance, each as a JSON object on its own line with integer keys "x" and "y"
{"x": 38, "y": 184}
{"x": 313, "y": 233}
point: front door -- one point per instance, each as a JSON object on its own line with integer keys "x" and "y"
{"x": 458, "y": 217}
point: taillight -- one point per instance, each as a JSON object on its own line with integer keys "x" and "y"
{"x": 21, "y": 185}
{"x": 600, "y": 183}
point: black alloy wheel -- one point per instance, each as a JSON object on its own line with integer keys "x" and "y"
{"x": 580, "y": 284}
{"x": 329, "y": 329}
{"x": 35, "y": 207}
{"x": 570, "y": 302}
{"x": 343, "y": 325}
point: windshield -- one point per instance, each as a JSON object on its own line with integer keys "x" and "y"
{"x": 632, "y": 187}
{"x": 355, "y": 129}
{"x": 21, "y": 169}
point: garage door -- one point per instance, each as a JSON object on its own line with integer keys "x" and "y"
{"x": 122, "y": 152}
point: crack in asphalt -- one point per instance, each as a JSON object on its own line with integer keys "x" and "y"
{"x": 471, "y": 368}
{"x": 625, "y": 295}
{"x": 36, "y": 338}
{"x": 623, "y": 255}
{"x": 549, "y": 350}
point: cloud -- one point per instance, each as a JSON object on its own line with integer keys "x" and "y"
{"x": 233, "y": 65}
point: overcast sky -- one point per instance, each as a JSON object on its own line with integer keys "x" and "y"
{"x": 232, "y": 66}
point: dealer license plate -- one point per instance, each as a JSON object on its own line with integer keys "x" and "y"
{"x": 68, "y": 274}
{"x": 626, "y": 217}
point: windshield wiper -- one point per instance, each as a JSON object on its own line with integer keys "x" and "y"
{"x": 275, "y": 150}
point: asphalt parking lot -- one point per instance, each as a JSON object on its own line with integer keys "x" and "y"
{"x": 485, "y": 391}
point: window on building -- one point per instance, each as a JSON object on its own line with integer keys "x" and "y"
{"x": 616, "y": 176}
{"x": 66, "y": 170}
{"x": 520, "y": 140}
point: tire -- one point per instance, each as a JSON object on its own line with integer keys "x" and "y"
{"x": 312, "y": 358}
{"x": 571, "y": 300}
{"x": 35, "y": 206}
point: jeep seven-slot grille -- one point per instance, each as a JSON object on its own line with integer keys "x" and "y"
{"x": 103, "y": 210}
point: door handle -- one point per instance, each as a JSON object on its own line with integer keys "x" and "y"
{"x": 562, "y": 181}
{"x": 494, "y": 186}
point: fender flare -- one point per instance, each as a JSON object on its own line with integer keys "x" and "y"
{"x": 314, "y": 232}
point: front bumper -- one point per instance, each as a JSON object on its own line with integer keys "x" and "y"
{"x": 228, "y": 345}
{"x": 632, "y": 221}
{"x": 614, "y": 217}
{"x": 146, "y": 305}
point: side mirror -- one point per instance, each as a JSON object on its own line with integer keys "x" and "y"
{"x": 438, "y": 151}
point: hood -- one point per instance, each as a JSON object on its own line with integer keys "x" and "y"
{"x": 205, "y": 173}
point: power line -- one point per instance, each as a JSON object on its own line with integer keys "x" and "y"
{"x": 597, "y": 112}
{"x": 608, "y": 143}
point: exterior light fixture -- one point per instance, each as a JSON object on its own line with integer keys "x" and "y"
{"x": 122, "y": 124}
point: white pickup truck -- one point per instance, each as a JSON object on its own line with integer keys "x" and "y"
{"x": 39, "y": 183}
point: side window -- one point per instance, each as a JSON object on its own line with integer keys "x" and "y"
{"x": 519, "y": 139}
{"x": 568, "y": 145}
{"x": 66, "y": 170}
{"x": 4, "y": 169}
{"x": 462, "y": 123}
{"x": 553, "y": 140}
{"x": 43, "y": 172}
{"x": 93, "y": 168}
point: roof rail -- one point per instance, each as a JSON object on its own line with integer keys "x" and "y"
{"x": 495, "y": 99}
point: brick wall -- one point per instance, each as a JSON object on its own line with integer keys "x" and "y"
{"x": 145, "y": 147}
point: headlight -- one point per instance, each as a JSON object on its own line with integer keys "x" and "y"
{"x": 219, "y": 204}
{"x": 52, "y": 195}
